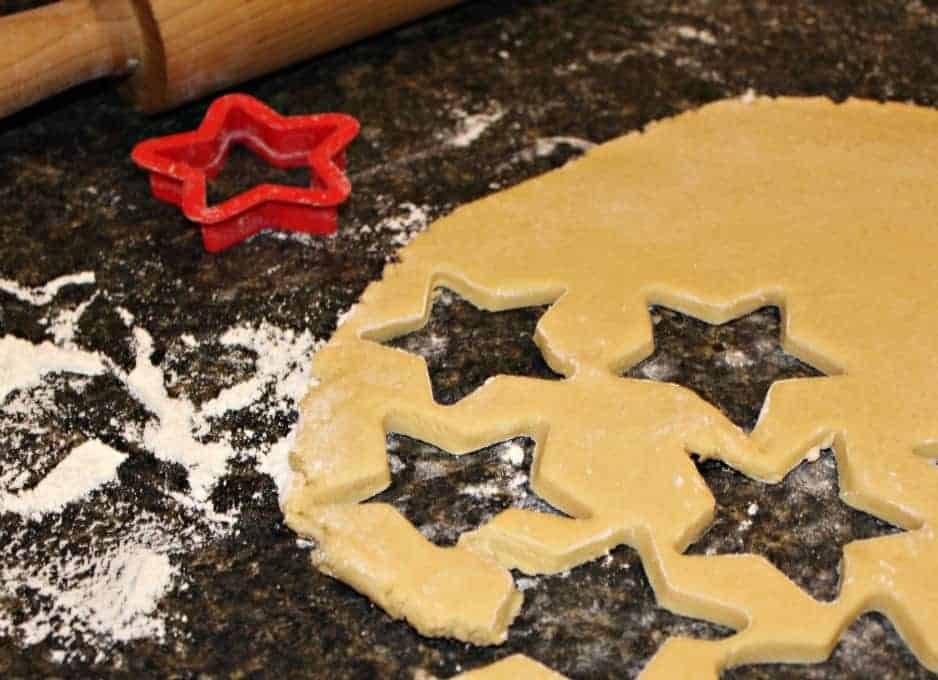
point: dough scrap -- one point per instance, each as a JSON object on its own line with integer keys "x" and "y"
{"x": 829, "y": 211}
{"x": 512, "y": 668}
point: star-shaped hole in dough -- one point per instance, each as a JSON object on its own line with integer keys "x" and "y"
{"x": 464, "y": 345}
{"x": 731, "y": 365}
{"x": 599, "y": 620}
{"x": 799, "y": 524}
{"x": 444, "y": 495}
{"x": 870, "y": 643}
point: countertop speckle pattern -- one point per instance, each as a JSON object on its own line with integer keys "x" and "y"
{"x": 548, "y": 75}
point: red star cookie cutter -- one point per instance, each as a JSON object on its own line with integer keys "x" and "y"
{"x": 180, "y": 165}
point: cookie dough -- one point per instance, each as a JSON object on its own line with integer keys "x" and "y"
{"x": 829, "y": 211}
{"x": 512, "y": 668}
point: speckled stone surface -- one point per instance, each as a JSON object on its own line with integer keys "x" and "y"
{"x": 70, "y": 200}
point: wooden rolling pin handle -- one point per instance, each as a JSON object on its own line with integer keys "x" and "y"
{"x": 49, "y": 49}
{"x": 193, "y": 47}
{"x": 178, "y": 50}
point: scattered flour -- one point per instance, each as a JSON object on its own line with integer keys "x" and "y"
{"x": 64, "y": 325}
{"x": 735, "y": 358}
{"x": 170, "y": 436}
{"x": 122, "y": 598}
{"x": 396, "y": 463}
{"x": 23, "y": 364}
{"x": 700, "y": 34}
{"x": 125, "y": 316}
{"x": 282, "y": 361}
{"x": 514, "y": 485}
{"x": 276, "y": 464}
{"x": 109, "y": 590}
{"x": 526, "y": 583}
{"x": 43, "y": 295}
{"x": 131, "y": 588}
{"x": 484, "y": 490}
{"x": 404, "y": 226}
{"x": 545, "y": 146}
{"x": 471, "y": 127}
{"x": 109, "y": 594}
{"x": 513, "y": 453}
{"x": 659, "y": 368}
{"x": 84, "y": 469}
{"x": 282, "y": 365}
{"x": 290, "y": 235}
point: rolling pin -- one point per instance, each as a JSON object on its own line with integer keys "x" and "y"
{"x": 172, "y": 51}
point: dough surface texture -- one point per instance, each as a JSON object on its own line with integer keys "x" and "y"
{"x": 829, "y": 211}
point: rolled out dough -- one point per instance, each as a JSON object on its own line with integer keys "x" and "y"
{"x": 829, "y": 211}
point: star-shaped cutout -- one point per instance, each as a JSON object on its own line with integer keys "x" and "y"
{"x": 445, "y": 496}
{"x": 871, "y": 642}
{"x": 799, "y": 524}
{"x": 181, "y": 165}
{"x": 598, "y": 620}
{"x": 604, "y": 614}
{"x": 731, "y": 365}
{"x": 464, "y": 345}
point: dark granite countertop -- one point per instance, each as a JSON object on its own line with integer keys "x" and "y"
{"x": 244, "y": 601}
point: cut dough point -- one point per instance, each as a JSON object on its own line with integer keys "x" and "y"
{"x": 829, "y": 211}
{"x": 511, "y": 668}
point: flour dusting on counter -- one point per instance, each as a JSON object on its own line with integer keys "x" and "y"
{"x": 545, "y": 146}
{"x": 109, "y": 588}
{"x": 405, "y": 225}
{"x": 106, "y": 593}
{"x": 471, "y": 127}
{"x": 84, "y": 469}
{"x": 23, "y": 364}
{"x": 43, "y": 295}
